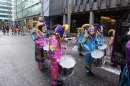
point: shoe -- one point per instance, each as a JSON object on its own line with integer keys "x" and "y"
{"x": 90, "y": 73}
{"x": 80, "y": 54}
{"x": 60, "y": 83}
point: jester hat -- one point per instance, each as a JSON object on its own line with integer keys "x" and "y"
{"x": 98, "y": 27}
{"x": 85, "y": 27}
{"x": 59, "y": 29}
{"x": 111, "y": 31}
{"x": 79, "y": 29}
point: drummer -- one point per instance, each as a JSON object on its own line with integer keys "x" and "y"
{"x": 33, "y": 32}
{"x": 111, "y": 33}
{"x": 40, "y": 40}
{"x": 55, "y": 53}
{"x": 81, "y": 31}
{"x": 100, "y": 36}
{"x": 80, "y": 37}
{"x": 89, "y": 44}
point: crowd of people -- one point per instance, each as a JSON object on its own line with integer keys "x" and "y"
{"x": 88, "y": 41}
{"x": 89, "y": 38}
{"x": 16, "y": 29}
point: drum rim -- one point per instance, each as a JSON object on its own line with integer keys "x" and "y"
{"x": 97, "y": 50}
{"x": 102, "y": 48}
{"x": 70, "y": 67}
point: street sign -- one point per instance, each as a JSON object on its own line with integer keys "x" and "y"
{"x": 122, "y": 36}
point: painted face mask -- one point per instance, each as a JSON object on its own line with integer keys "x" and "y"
{"x": 44, "y": 28}
{"x": 91, "y": 30}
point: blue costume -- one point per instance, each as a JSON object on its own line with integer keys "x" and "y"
{"x": 80, "y": 37}
{"x": 33, "y": 34}
{"x": 89, "y": 44}
{"x": 100, "y": 34}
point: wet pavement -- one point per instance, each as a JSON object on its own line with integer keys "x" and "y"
{"x": 18, "y": 67}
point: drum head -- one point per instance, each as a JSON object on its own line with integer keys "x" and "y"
{"x": 46, "y": 47}
{"x": 104, "y": 46}
{"x": 67, "y": 61}
{"x": 97, "y": 54}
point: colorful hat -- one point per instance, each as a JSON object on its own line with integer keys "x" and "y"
{"x": 85, "y": 26}
{"x": 59, "y": 29}
{"x": 127, "y": 50}
{"x": 79, "y": 29}
{"x": 111, "y": 31}
{"x": 98, "y": 26}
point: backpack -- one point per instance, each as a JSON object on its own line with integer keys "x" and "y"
{"x": 125, "y": 77}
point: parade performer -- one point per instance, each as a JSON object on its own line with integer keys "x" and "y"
{"x": 111, "y": 42}
{"x": 33, "y": 34}
{"x": 89, "y": 44}
{"x": 55, "y": 53}
{"x": 100, "y": 36}
{"x": 125, "y": 74}
{"x": 80, "y": 35}
{"x": 40, "y": 40}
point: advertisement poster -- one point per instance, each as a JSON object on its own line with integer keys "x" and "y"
{"x": 122, "y": 35}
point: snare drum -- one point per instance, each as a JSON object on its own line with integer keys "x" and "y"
{"x": 97, "y": 58}
{"x": 67, "y": 63}
{"x": 46, "y": 47}
{"x": 103, "y": 48}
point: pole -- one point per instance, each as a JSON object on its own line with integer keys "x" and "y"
{"x": 69, "y": 14}
{"x": 42, "y": 14}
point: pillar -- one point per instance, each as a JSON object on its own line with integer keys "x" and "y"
{"x": 91, "y": 17}
{"x": 64, "y": 19}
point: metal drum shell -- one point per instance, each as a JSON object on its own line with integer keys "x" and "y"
{"x": 98, "y": 62}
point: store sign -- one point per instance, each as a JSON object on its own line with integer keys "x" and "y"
{"x": 122, "y": 36}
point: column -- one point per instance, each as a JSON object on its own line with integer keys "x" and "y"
{"x": 91, "y": 17}
{"x": 64, "y": 19}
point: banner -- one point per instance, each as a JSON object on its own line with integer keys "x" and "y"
{"x": 122, "y": 36}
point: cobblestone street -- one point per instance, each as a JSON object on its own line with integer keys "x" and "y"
{"x": 18, "y": 67}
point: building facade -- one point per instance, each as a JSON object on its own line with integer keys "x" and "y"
{"x": 6, "y": 10}
{"x": 107, "y": 12}
{"x": 26, "y": 11}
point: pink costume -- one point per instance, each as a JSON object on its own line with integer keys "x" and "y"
{"x": 111, "y": 44}
{"x": 55, "y": 54}
{"x": 40, "y": 40}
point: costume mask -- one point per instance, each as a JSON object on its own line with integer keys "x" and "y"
{"x": 91, "y": 30}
